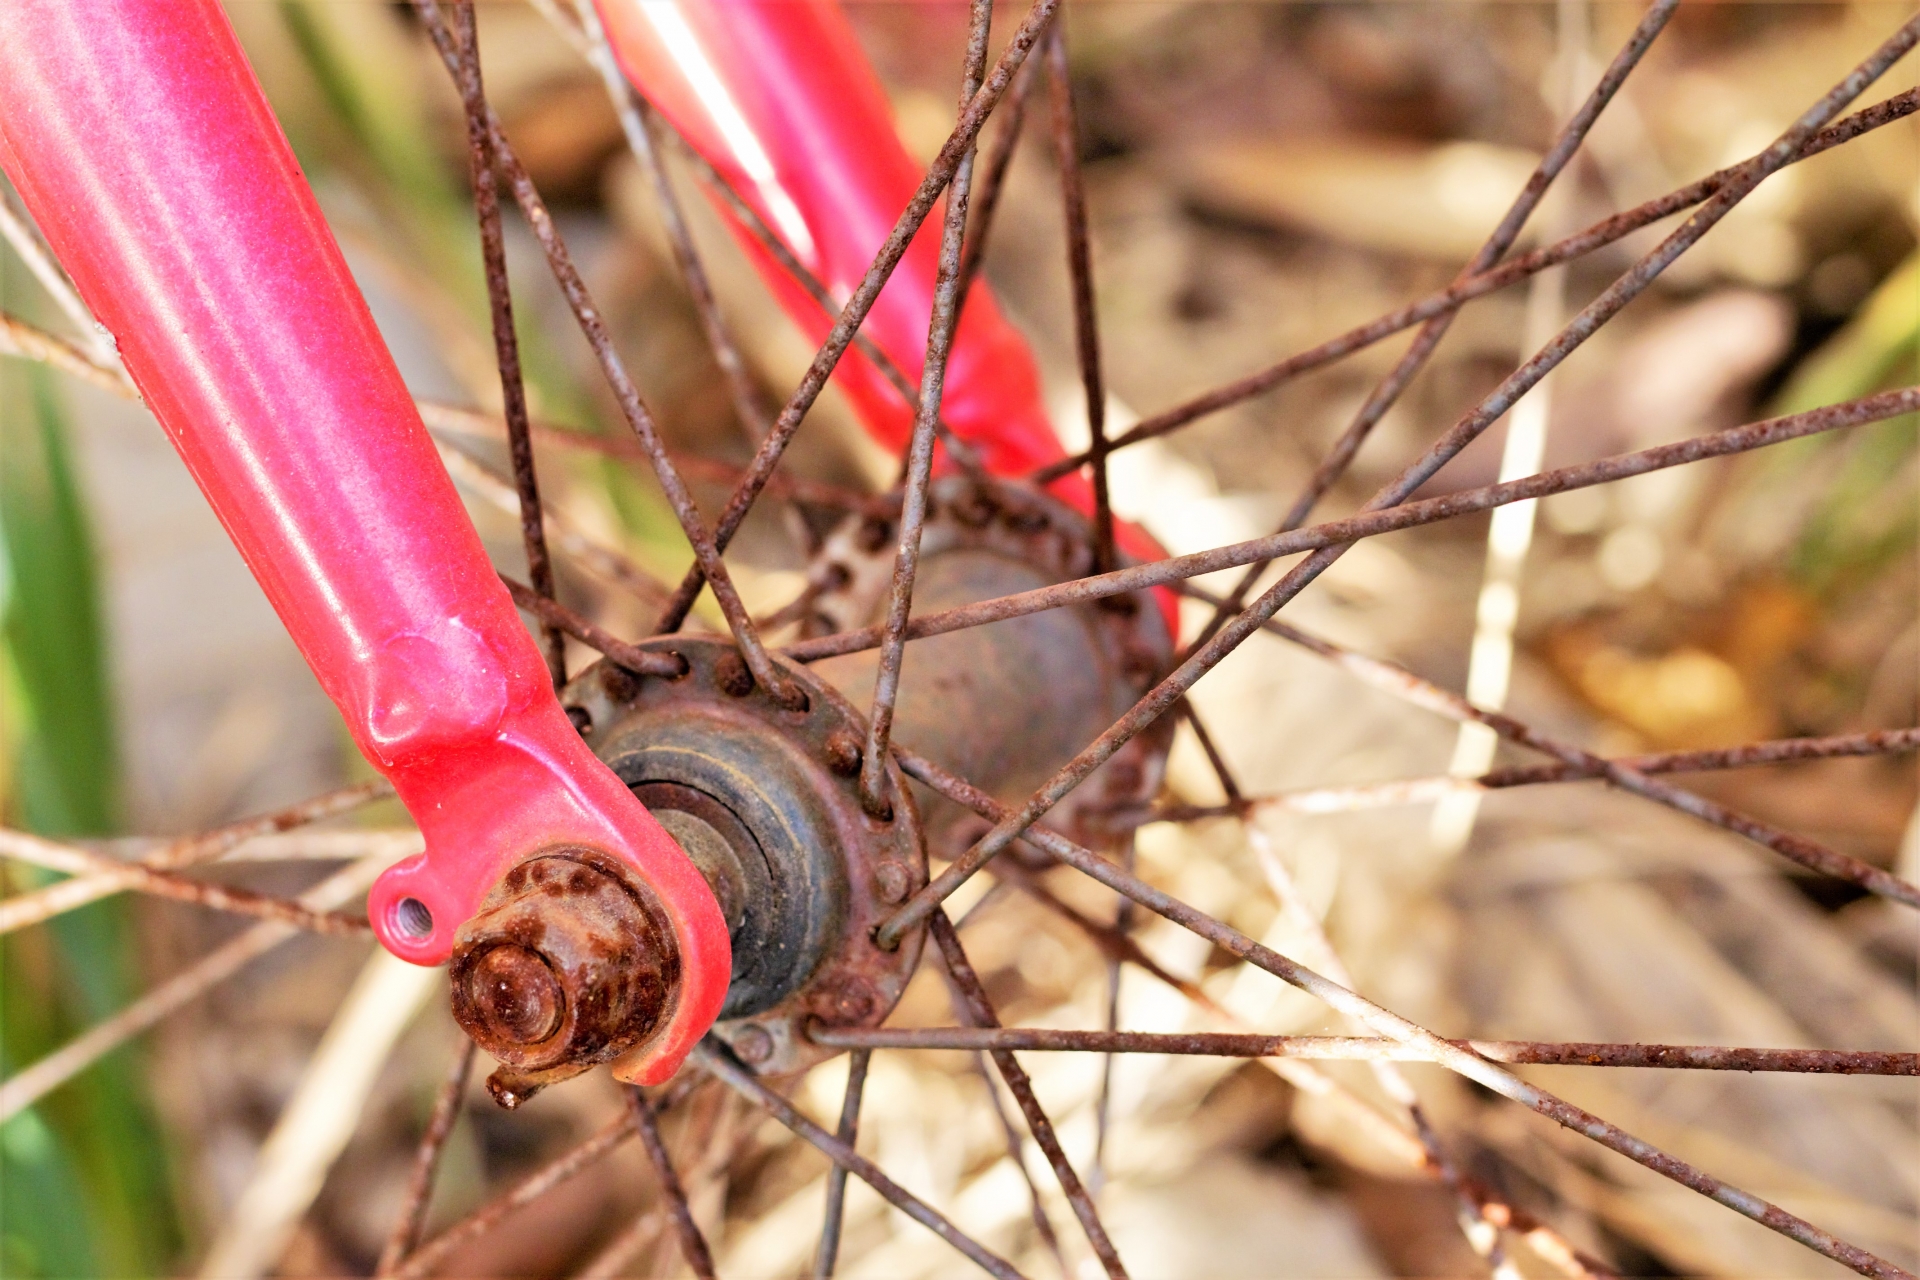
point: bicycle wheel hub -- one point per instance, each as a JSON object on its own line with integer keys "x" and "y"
{"x": 1006, "y": 704}
{"x": 765, "y": 800}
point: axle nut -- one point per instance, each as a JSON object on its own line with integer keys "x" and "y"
{"x": 568, "y": 963}
{"x": 517, "y": 995}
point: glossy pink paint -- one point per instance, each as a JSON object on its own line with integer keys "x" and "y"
{"x": 144, "y": 148}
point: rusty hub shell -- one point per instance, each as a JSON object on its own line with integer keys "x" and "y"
{"x": 568, "y": 963}
{"x": 1006, "y": 704}
{"x": 765, "y": 800}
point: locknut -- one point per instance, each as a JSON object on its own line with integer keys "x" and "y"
{"x": 569, "y": 962}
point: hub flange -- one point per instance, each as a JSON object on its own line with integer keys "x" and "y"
{"x": 1006, "y": 704}
{"x": 765, "y": 800}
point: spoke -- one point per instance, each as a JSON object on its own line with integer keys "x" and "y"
{"x": 554, "y": 614}
{"x": 1841, "y": 1062}
{"x": 1405, "y": 515}
{"x": 506, "y": 344}
{"x": 34, "y": 1082}
{"x": 1357, "y": 1113}
{"x": 849, "y": 317}
{"x": 550, "y": 1175}
{"x": 1380, "y": 795}
{"x": 693, "y": 1245}
{"x": 1086, "y": 326}
{"x": 718, "y": 1063}
{"x": 569, "y": 1164}
{"x": 1389, "y": 390}
{"x": 56, "y": 899}
{"x": 75, "y": 861}
{"x": 639, "y": 418}
{"x": 1810, "y": 854}
{"x": 1112, "y": 942}
{"x": 20, "y": 339}
{"x": 828, "y": 1254}
{"x": 614, "y": 1259}
{"x": 426, "y": 1162}
{"x": 1601, "y": 234}
{"x": 919, "y": 460}
{"x": 971, "y": 1003}
{"x": 602, "y": 561}
{"x": 636, "y": 122}
{"x": 1462, "y": 433}
{"x": 992, "y": 182}
{"x": 1391, "y": 1025}
{"x": 722, "y": 190}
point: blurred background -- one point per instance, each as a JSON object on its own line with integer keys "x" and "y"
{"x": 1261, "y": 176}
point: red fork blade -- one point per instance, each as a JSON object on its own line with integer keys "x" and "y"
{"x": 142, "y": 144}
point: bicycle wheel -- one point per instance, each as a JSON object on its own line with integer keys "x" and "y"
{"x": 1148, "y": 915}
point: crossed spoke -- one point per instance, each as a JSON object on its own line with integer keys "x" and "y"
{"x": 1394, "y": 1040}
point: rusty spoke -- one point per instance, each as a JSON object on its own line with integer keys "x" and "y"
{"x": 1810, "y": 854}
{"x": 827, "y": 1256}
{"x": 1390, "y": 1025}
{"x": 971, "y": 1003}
{"x": 637, "y": 123}
{"x": 426, "y": 1162}
{"x": 1843, "y": 1062}
{"x": 693, "y": 1245}
{"x": 506, "y": 343}
{"x": 554, "y": 614}
{"x": 716, "y": 182}
{"x": 1405, "y": 515}
{"x": 1388, "y": 391}
{"x": 1469, "y": 428}
{"x": 570, "y": 1164}
{"x": 849, "y": 317}
{"x": 719, "y": 1063}
{"x": 919, "y": 459}
{"x": 1086, "y": 325}
{"x": 1378, "y": 795}
{"x": 992, "y": 182}
{"x": 638, "y": 417}
{"x": 1598, "y": 236}
{"x": 1298, "y": 1071}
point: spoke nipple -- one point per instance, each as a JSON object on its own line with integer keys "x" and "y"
{"x": 617, "y": 682}
{"x": 879, "y": 808}
{"x": 846, "y": 1000}
{"x": 843, "y": 751}
{"x": 893, "y": 882}
{"x": 753, "y": 1044}
{"x": 732, "y": 675}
